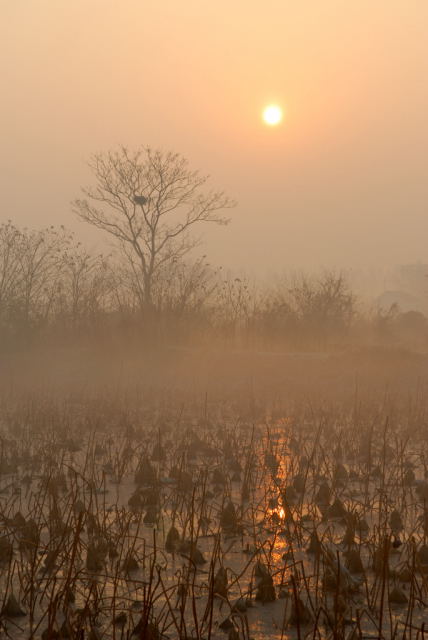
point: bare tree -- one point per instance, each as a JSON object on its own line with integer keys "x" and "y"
{"x": 85, "y": 286}
{"x": 10, "y": 242}
{"x": 41, "y": 261}
{"x": 235, "y": 306}
{"x": 183, "y": 286}
{"x": 325, "y": 304}
{"x": 150, "y": 202}
{"x": 31, "y": 268}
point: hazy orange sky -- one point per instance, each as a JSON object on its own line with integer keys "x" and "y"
{"x": 342, "y": 182}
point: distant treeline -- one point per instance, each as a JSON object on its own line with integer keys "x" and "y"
{"x": 53, "y": 289}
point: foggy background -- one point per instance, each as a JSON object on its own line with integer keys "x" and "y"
{"x": 342, "y": 182}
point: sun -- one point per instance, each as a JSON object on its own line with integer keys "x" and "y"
{"x": 272, "y": 115}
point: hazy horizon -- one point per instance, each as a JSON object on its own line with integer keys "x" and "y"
{"x": 341, "y": 182}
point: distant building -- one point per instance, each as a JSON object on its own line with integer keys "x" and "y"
{"x": 403, "y": 300}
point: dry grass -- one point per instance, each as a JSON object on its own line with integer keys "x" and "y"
{"x": 258, "y": 509}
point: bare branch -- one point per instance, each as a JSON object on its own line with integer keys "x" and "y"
{"x": 155, "y": 230}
